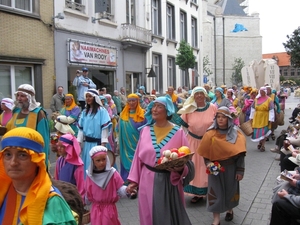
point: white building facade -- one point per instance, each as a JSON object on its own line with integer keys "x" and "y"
{"x": 107, "y": 36}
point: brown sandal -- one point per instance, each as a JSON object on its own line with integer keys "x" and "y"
{"x": 262, "y": 149}
{"x": 196, "y": 199}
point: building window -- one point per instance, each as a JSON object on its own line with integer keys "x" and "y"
{"x": 156, "y": 17}
{"x": 285, "y": 73}
{"x": 170, "y": 22}
{"x": 298, "y": 72}
{"x": 292, "y": 72}
{"x": 130, "y": 11}
{"x": 157, "y": 82}
{"x": 194, "y": 32}
{"x": 22, "y": 5}
{"x": 184, "y": 78}
{"x": 75, "y": 5}
{"x": 12, "y": 76}
{"x": 194, "y": 1}
{"x": 102, "y": 6}
{"x": 183, "y": 28}
{"x": 171, "y": 72}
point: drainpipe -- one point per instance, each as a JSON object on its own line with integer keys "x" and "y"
{"x": 224, "y": 51}
{"x": 215, "y": 52}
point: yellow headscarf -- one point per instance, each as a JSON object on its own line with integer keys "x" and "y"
{"x": 73, "y": 104}
{"x": 139, "y": 115}
{"x": 32, "y": 142}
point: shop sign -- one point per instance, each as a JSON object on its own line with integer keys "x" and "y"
{"x": 89, "y": 53}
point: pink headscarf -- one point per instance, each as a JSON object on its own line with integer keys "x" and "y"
{"x": 72, "y": 149}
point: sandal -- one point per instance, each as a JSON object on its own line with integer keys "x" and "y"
{"x": 273, "y": 136}
{"x": 262, "y": 149}
{"x": 196, "y": 199}
{"x": 259, "y": 145}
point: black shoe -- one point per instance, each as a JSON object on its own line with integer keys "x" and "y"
{"x": 229, "y": 216}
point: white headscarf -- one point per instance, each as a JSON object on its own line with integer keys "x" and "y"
{"x": 190, "y": 105}
{"x": 29, "y": 91}
{"x": 8, "y": 102}
{"x": 100, "y": 179}
{"x": 95, "y": 94}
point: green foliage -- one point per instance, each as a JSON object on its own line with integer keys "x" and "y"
{"x": 282, "y": 78}
{"x": 292, "y": 47}
{"x": 206, "y": 68}
{"x": 185, "y": 58}
{"x": 237, "y": 66}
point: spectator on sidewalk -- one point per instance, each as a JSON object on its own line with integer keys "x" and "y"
{"x": 57, "y": 100}
{"x": 117, "y": 100}
{"x": 83, "y": 83}
{"x": 123, "y": 97}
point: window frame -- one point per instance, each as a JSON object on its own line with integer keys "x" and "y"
{"x": 171, "y": 71}
{"x": 12, "y": 76}
{"x": 183, "y": 25}
{"x": 34, "y": 12}
{"x": 170, "y": 22}
{"x": 156, "y": 17}
{"x": 157, "y": 68}
{"x": 194, "y": 32}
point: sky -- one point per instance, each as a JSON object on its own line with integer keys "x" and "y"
{"x": 278, "y": 18}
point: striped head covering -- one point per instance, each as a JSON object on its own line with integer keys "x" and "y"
{"x": 29, "y": 91}
{"x": 29, "y": 140}
{"x": 72, "y": 149}
{"x": 95, "y": 94}
{"x": 100, "y": 179}
{"x": 139, "y": 114}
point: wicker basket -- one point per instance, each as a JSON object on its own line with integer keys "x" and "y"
{"x": 175, "y": 163}
{"x": 247, "y": 128}
{"x": 86, "y": 218}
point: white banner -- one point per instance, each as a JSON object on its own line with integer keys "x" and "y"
{"x": 88, "y": 53}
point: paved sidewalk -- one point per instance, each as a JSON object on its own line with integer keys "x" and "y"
{"x": 256, "y": 188}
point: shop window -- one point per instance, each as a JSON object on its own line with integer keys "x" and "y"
{"x": 12, "y": 76}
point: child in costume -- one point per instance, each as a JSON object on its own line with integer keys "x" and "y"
{"x": 104, "y": 187}
{"x": 69, "y": 166}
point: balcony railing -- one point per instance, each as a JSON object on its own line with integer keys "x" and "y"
{"x": 75, "y": 6}
{"x": 136, "y": 34}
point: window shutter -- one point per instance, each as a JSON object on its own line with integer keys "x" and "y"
{"x": 100, "y": 6}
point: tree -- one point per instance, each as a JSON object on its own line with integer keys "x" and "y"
{"x": 237, "y": 66}
{"x": 185, "y": 58}
{"x": 292, "y": 47}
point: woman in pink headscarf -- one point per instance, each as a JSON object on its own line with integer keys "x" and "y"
{"x": 69, "y": 166}
{"x": 7, "y": 104}
{"x": 262, "y": 114}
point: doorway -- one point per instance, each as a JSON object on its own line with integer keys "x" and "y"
{"x": 133, "y": 82}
